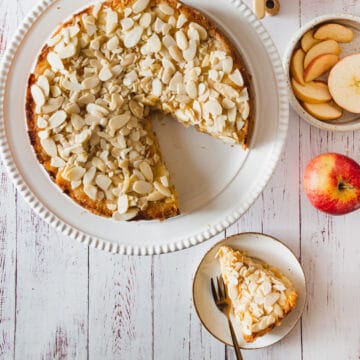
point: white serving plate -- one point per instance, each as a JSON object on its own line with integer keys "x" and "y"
{"x": 216, "y": 182}
{"x": 265, "y": 248}
{"x": 348, "y": 121}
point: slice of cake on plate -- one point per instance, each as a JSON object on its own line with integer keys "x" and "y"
{"x": 260, "y": 295}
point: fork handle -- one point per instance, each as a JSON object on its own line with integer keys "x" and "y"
{"x": 234, "y": 340}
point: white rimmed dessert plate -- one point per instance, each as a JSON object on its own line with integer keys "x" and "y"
{"x": 216, "y": 182}
{"x": 267, "y": 249}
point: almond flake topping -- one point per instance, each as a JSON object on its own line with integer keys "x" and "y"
{"x": 106, "y": 71}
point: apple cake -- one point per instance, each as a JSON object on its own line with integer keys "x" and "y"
{"x": 98, "y": 78}
{"x": 260, "y": 295}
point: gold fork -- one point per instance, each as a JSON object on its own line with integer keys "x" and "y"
{"x": 222, "y": 302}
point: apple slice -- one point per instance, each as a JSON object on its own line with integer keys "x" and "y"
{"x": 308, "y": 41}
{"x": 325, "y": 111}
{"x": 297, "y": 66}
{"x": 335, "y": 32}
{"x": 344, "y": 83}
{"x": 324, "y": 47}
{"x": 314, "y": 92}
{"x": 319, "y": 66}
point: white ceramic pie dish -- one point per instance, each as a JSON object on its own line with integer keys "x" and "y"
{"x": 263, "y": 247}
{"x": 207, "y": 185}
{"x": 348, "y": 121}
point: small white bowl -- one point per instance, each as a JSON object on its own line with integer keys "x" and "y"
{"x": 261, "y": 246}
{"x": 348, "y": 121}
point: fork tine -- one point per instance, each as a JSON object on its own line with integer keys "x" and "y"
{"x": 224, "y": 287}
{"x": 222, "y": 283}
{"x": 221, "y": 294}
{"x": 213, "y": 290}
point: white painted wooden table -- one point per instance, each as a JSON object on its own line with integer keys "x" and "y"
{"x": 59, "y": 300}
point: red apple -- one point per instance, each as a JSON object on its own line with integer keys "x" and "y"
{"x": 332, "y": 183}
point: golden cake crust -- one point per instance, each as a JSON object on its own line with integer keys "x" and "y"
{"x": 167, "y": 207}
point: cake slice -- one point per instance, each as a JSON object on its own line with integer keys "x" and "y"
{"x": 260, "y": 295}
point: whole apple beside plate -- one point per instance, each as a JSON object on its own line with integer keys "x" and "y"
{"x": 332, "y": 183}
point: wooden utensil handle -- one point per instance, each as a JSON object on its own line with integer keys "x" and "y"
{"x": 259, "y": 8}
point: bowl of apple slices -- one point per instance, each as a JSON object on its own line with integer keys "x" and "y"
{"x": 322, "y": 65}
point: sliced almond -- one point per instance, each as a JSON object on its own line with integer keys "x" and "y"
{"x": 145, "y": 20}
{"x": 181, "y": 40}
{"x": 91, "y": 82}
{"x": 117, "y": 122}
{"x": 213, "y": 107}
{"x": 175, "y": 81}
{"x": 164, "y": 180}
{"x": 142, "y": 187}
{"x": 193, "y": 34}
{"x": 226, "y": 90}
{"x": 89, "y": 176}
{"x": 140, "y": 5}
{"x": 162, "y": 189}
{"x": 37, "y": 95}
{"x": 49, "y": 146}
{"x": 129, "y": 215}
{"x": 181, "y": 21}
{"x": 57, "y": 119}
{"x": 43, "y": 83}
{"x": 113, "y": 43}
{"x": 105, "y": 74}
{"x": 168, "y": 41}
{"x": 41, "y": 123}
{"x": 166, "y": 9}
{"x": 54, "y": 40}
{"x": 155, "y": 196}
{"x": 127, "y": 23}
{"x": 227, "y": 103}
{"x": 103, "y": 181}
{"x": 158, "y": 24}
{"x": 227, "y": 64}
{"x": 245, "y": 112}
{"x": 67, "y": 52}
{"x": 145, "y": 168}
{"x": 190, "y": 52}
{"x": 91, "y": 191}
{"x": 77, "y": 121}
{"x": 55, "y": 61}
{"x": 111, "y": 21}
{"x": 123, "y": 204}
{"x": 132, "y": 38}
{"x": 191, "y": 89}
{"x": 154, "y": 43}
{"x": 96, "y": 109}
{"x": 52, "y": 105}
{"x": 156, "y": 87}
{"x": 166, "y": 76}
{"x": 57, "y": 162}
{"x": 74, "y": 173}
{"x": 200, "y": 29}
{"x": 237, "y": 78}
{"x": 136, "y": 108}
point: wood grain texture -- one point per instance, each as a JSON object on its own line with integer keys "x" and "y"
{"x": 120, "y": 307}
{"x": 59, "y": 300}
{"x": 7, "y": 266}
{"x": 176, "y": 325}
{"x": 51, "y": 292}
{"x": 330, "y": 248}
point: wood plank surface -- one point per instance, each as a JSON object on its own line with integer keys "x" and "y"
{"x": 60, "y": 300}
